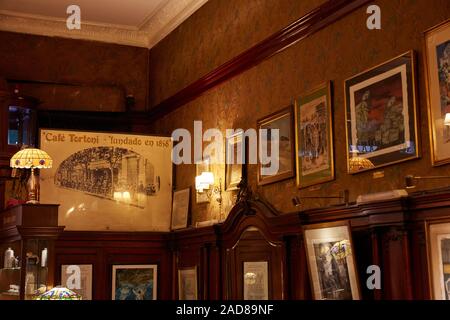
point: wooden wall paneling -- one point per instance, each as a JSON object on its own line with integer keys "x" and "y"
{"x": 105, "y": 249}
{"x": 362, "y": 243}
{"x": 397, "y": 265}
{"x": 376, "y": 260}
{"x": 418, "y": 249}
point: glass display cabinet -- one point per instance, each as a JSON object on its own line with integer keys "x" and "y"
{"x": 27, "y": 241}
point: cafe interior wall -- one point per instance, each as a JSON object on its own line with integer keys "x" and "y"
{"x": 223, "y": 28}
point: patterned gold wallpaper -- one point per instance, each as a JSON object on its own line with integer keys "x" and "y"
{"x": 217, "y": 32}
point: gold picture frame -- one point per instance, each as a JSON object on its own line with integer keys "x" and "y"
{"x": 188, "y": 283}
{"x": 140, "y": 282}
{"x": 327, "y": 245}
{"x": 234, "y": 165}
{"x": 438, "y": 240}
{"x": 381, "y": 115}
{"x": 283, "y": 120}
{"x": 437, "y": 43}
{"x": 314, "y": 118}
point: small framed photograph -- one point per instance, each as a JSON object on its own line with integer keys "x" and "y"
{"x": 381, "y": 115}
{"x": 180, "y": 208}
{"x": 314, "y": 137}
{"x": 437, "y": 66}
{"x": 134, "y": 282}
{"x": 78, "y": 278}
{"x": 187, "y": 284}
{"x": 203, "y": 165}
{"x": 283, "y": 121}
{"x": 256, "y": 281}
{"x": 331, "y": 262}
{"x": 438, "y": 240}
{"x": 235, "y": 159}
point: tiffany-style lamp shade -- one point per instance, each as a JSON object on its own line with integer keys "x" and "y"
{"x": 356, "y": 164}
{"x": 31, "y": 158}
{"x": 59, "y": 293}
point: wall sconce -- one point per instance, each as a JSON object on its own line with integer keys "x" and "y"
{"x": 344, "y": 195}
{"x": 409, "y": 180}
{"x": 447, "y": 119}
{"x": 205, "y": 183}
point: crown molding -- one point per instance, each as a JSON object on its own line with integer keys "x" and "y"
{"x": 152, "y": 30}
{"x": 169, "y": 18}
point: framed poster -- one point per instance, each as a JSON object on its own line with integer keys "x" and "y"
{"x": 438, "y": 240}
{"x": 331, "y": 263}
{"x": 437, "y": 65}
{"x": 187, "y": 284}
{"x": 78, "y": 278}
{"x": 314, "y": 137}
{"x": 108, "y": 181}
{"x": 134, "y": 282}
{"x": 381, "y": 115}
{"x": 235, "y": 158}
{"x": 202, "y": 166}
{"x": 256, "y": 282}
{"x": 180, "y": 208}
{"x": 283, "y": 121}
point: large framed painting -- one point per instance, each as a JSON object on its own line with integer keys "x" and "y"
{"x": 438, "y": 240}
{"x": 256, "y": 280}
{"x": 235, "y": 158}
{"x": 437, "y": 65}
{"x": 180, "y": 208}
{"x": 314, "y": 137}
{"x": 187, "y": 283}
{"x": 78, "y": 278}
{"x": 134, "y": 282}
{"x": 283, "y": 121}
{"x": 381, "y": 115}
{"x": 331, "y": 261}
{"x": 108, "y": 181}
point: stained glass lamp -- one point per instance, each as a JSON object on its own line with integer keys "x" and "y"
{"x": 59, "y": 293}
{"x": 31, "y": 158}
{"x": 357, "y": 163}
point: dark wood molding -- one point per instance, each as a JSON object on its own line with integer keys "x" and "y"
{"x": 300, "y": 29}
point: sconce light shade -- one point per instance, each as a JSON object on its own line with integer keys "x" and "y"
{"x": 204, "y": 181}
{"x": 447, "y": 119}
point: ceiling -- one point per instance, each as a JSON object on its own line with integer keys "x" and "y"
{"x": 140, "y": 23}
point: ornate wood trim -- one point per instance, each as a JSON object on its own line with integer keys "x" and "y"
{"x": 300, "y": 29}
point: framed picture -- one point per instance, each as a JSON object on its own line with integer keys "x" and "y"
{"x": 187, "y": 284}
{"x": 108, "y": 181}
{"x": 314, "y": 137}
{"x": 381, "y": 115}
{"x": 283, "y": 121}
{"x": 331, "y": 262}
{"x": 437, "y": 65}
{"x": 235, "y": 158}
{"x": 202, "y": 166}
{"x": 256, "y": 282}
{"x": 134, "y": 282}
{"x": 180, "y": 208}
{"x": 438, "y": 240}
{"x": 78, "y": 278}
